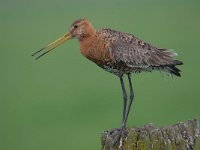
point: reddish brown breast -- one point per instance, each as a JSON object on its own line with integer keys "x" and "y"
{"x": 95, "y": 49}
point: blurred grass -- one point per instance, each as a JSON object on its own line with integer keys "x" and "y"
{"x": 63, "y": 101}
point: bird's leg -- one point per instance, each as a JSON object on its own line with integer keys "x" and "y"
{"x": 118, "y": 137}
{"x": 124, "y": 98}
{"x": 117, "y": 133}
{"x": 130, "y": 102}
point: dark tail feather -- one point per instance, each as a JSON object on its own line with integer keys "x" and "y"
{"x": 173, "y": 69}
{"x": 178, "y": 62}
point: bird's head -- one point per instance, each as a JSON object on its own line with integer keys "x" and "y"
{"x": 80, "y": 29}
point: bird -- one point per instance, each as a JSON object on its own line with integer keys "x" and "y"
{"x": 119, "y": 53}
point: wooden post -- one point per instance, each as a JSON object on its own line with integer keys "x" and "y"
{"x": 180, "y": 136}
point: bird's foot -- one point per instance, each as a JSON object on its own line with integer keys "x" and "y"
{"x": 117, "y": 135}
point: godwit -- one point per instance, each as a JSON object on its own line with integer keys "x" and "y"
{"x": 118, "y": 53}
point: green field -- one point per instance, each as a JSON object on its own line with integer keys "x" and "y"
{"x": 63, "y": 101}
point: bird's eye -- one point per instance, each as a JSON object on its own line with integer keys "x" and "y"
{"x": 75, "y": 26}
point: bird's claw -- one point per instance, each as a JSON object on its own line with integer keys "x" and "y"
{"x": 117, "y": 136}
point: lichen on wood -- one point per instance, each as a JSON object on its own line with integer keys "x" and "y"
{"x": 180, "y": 136}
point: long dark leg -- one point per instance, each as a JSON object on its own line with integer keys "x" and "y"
{"x": 124, "y": 98}
{"x": 130, "y": 102}
{"x": 121, "y": 132}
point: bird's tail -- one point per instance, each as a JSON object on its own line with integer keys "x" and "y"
{"x": 172, "y": 69}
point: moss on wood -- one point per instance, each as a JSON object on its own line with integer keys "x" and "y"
{"x": 180, "y": 136}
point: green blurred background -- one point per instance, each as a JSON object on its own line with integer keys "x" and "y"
{"x": 63, "y": 101}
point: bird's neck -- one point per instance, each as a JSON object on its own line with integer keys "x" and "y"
{"x": 86, "y": 42}
{"x": 88, "y": 33}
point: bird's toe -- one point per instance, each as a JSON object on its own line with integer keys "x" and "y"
{"x": 117, "y": 135}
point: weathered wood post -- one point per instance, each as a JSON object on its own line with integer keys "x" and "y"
{"x": 180, "y": 136}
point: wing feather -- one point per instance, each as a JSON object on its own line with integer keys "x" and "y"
{"x": 136, "y": 53}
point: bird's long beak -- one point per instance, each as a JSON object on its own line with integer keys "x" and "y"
{"x": 52, "y": 45}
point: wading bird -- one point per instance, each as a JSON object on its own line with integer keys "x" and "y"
{"x": 118, "y": 53}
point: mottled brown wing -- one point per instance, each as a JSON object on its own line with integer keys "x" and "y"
{"x": 136, "y": 53}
